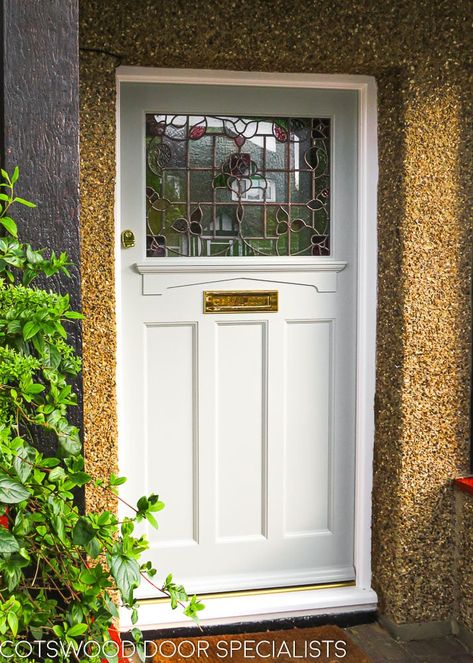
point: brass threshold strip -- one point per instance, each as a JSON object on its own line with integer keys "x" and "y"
{"x": 255, "y": 592}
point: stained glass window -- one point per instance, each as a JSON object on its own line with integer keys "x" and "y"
{"x": 237, "y": 186}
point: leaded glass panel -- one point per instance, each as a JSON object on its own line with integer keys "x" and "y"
{"x": 237, "y": 186}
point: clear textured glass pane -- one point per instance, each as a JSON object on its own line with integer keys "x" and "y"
{"x": 201, "y": 152}
{"x": 224, "y": 147}
{"x": 303, "y": 213}
{"x": 201, "y": 186}
{"x": 234, "y": 186}
{"x": 223, "y": 194}
{"x": 254, "y": 147}
{"x": 276, "y": 190}
{"x": 252, "y": 221}
{"x": 175, "y": 185}
{"x": 301, "y": 142}
{"x": 301, "y": 186}
{"x": 226, "y": 223}
{"x": 276, "y": 153}
{"x": 207, "y": 220}
{"x": 271, "y": 222}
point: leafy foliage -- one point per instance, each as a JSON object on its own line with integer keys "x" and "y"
{"x": 59, "y": 569}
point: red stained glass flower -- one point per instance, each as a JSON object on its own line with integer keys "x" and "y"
{"x": 279, "y": 133}
{"x": 196, "y": 132}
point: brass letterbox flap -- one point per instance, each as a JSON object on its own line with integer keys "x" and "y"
{"x": 240, "y": 301}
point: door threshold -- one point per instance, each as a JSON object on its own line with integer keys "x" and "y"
{"x": 256, "y": 607}
{"x": 253, "y": 592}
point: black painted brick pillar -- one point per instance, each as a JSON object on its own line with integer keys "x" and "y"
{"x": 39, "y": 132}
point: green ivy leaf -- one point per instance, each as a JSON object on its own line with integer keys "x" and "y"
{"x": 37, "y": 632}
{"x": 69, "y": 443}
{"x": 12, "y": 620}
{"x": 35, "y": 388}
{"x": 30, "y": 329}
{"x": 9, "y": 225}
{"x": 51, "y": 356}
{"x": 81, "y": 478}
{"x": 73, "y": 315}
{"x": 77, "y": 613}
{"x": 22, "y": 201}
{"x": 110, "y": 605}
{"x": 8, "y": 543}
{"x": 33, "y": 257}
{"x": 83, "y": 532}
{"x": 193, "y": 608}
{"x": 11, "y": 491}
{"x": 76, "y": 630}
{"x": 152, "y": 520}
{"x": 93, "y": 548}
{"x": 116, "y": 481}
{"x": 13, "y": 576}
{"x": 126, "y": 573}
{"x": 57, "y": 474}
{"x": 50, "y": 462}
{"x": 23, "y": 462}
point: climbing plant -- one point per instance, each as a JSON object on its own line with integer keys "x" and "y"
{"x": 62, "y": 572}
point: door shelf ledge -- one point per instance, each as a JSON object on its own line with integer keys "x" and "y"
{"x": 182, "y": 266}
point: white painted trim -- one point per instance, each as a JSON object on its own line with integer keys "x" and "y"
{"x": 361, "y": 597}
{"x": 237, "y": 265}
{"x": 366, "y": 327}
{"x": 223, "y": 77}
{"x": 258, "y": 607}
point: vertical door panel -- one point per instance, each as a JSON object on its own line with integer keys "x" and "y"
{"x": 241, "y": 407}
{"x": 171, "y": 433}
{"x": 308, "y": 429}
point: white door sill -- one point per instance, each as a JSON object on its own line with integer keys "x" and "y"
{"x": 258, "y": 607}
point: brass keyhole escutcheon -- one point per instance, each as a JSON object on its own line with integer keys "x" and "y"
{"x": 128, "y": 239}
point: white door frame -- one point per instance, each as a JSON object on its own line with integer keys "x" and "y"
{"x": 321, "y": 601}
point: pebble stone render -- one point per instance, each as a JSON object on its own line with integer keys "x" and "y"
{"x": 417, "y": 50}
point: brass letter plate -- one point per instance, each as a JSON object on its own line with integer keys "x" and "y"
{"x": 240, "y": 301}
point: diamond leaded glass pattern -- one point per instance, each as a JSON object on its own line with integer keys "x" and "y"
{"x": 237, "y": 186}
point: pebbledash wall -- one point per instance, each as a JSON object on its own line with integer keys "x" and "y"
{"x": 417, "y": 51}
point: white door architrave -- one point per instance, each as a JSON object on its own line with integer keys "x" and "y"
{"x": 360, "y": 596}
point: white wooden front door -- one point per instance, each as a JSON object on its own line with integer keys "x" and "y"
{"x": 243, "y": 422}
